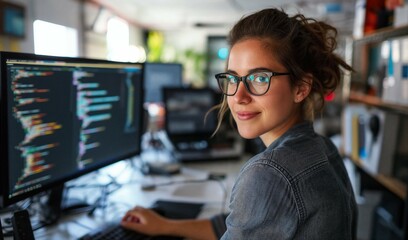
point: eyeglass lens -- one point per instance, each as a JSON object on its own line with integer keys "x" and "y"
{"x": 257, "y": 83}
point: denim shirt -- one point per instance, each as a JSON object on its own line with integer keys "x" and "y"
{"x": 298, "y": 188}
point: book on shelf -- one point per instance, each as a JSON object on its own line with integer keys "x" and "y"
{"x": 352, "y": 136}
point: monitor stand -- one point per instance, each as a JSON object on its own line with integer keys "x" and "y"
{"x": 156, "y": 157}
{"x": 56, "y": 205}
{"x": 162, "y": 168}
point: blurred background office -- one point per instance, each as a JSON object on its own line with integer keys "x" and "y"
{"x": 191, "y": 34}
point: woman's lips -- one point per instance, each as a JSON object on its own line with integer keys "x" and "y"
{"x": 246, "y": 115}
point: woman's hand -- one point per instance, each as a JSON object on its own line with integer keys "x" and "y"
{"x": 145, "y": 221}
{"x": 148, "y": 222}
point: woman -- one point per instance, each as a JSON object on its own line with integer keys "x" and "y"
{"x": 279, "y": 70}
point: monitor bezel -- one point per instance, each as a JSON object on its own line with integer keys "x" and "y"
{"x": 5, "y": 200}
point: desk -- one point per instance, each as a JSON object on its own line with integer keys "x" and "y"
{"x": 215, "y": 195}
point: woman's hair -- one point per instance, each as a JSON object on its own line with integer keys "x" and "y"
{"x": 303, "y": 45}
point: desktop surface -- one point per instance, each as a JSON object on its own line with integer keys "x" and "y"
{"x": 189, "y": 186}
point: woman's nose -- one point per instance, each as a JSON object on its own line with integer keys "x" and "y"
{"x": 242, "y": 95}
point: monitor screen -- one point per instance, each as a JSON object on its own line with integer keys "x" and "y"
{"x": 64, "y": 117}
{"x": 186, "y": 112}
{"x": 160, "y": 75}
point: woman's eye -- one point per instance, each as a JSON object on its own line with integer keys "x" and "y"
{"x": 259, "y": 79}
{"x": 232, "y": 79}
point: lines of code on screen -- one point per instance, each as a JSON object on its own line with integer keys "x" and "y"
{"x": 65, "y": 118}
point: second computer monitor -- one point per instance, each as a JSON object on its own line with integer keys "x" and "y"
{"x": 160, "y": 75}
{"x": 187, "y": 113}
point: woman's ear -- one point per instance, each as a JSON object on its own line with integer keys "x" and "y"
{"x": 302, "y": 90}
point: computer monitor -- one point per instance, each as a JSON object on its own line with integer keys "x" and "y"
{"x": 160, "y": 75}
{"x": 188, "y": 121}
{"x": 64, "y": 117}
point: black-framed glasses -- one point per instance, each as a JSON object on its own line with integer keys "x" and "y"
{"x": 256, "y": 83}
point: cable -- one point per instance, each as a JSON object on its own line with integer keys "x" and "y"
{"x": 152, "y": 186}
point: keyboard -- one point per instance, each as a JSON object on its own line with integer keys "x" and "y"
{"x": 169, "y": 209}
{"x": 114, "y": 232}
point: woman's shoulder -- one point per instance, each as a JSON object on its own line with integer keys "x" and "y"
{"x": 294, "y": 156}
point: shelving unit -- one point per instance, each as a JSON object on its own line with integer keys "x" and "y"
{"x": 354, "y": 92}
{"x": 377, "y": 102}
{"x": 393, "y": 185}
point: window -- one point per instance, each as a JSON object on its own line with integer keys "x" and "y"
{"x": 63, "y": 41}
{"x": 118, "y": 46}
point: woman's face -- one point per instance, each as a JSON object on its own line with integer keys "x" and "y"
{"x": 270, "y": 115}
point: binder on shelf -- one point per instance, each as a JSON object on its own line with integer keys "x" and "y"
{"x": 351, "y": 130}
{"x": 404, "y": 71}
{"x": 390, "y": 82}
{"x": 395, "y": 84}
{"x": 358, "y": 148}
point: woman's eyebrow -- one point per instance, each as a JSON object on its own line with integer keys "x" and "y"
{"x": 260, "y": 69}
{"x": 231, "y": 71}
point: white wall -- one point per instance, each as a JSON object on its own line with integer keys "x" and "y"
{"x": 192, "y": 38}
{"x": 92, "y": 44}
{"x": 66, "y": 12}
